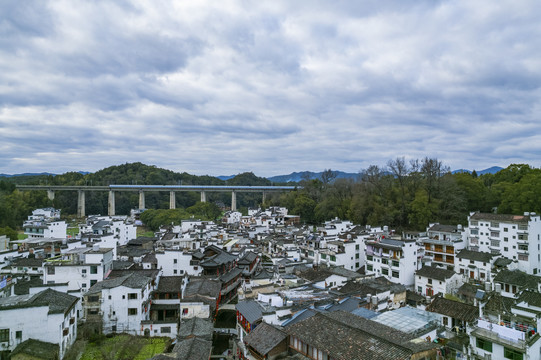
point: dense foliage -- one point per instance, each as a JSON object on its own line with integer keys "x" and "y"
{"x": 412, "y": 195}
{"x": 404, "y": 195}
{"x": 15, "y": 205}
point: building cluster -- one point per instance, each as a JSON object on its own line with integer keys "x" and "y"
{"x": 334, "y": 291}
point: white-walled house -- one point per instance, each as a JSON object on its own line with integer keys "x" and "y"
{"x": 395, "y": 259}
{"x": 516, "y": 237}
{"x": 45, "y": 229}
{"x": 119, "y": 304}
{"x": 80, "y": 268}
{"x": 48, "y": 316}
{"x": 475, "y": 265}
{"x": 179, "y": 262}
{"x": 431, "y": 280}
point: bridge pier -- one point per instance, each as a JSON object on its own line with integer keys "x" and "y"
{"x": 81, "y": 204}
{"x": 233, "y": 201}
{"x": 50, "y": 194}
{"x": 203, "y": 196}
{"x": 141, "y": 199}
{"x": 111, "y": 203}
{"x": 172, "y": 200}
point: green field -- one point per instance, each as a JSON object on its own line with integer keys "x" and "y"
{"x": 73, "y": 231}
{"x": 124, "y": 346}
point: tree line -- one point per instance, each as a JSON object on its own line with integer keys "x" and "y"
{"x": 406, "y": 195}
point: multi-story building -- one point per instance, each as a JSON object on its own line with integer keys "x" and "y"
{"x": 120, "y": 304}
{"x": 475, "y": 265}
{"x": 516, "y": 237}
{"x": 395, "y": 259}
{"x": 430, "y": 280}
{"x": 80, "y": 268}
{"x": 48, "y": 316}
{"x": 442, "y": 243}
{"x": 45, "y": 229}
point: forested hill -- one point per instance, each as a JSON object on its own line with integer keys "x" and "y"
{"x": 15, "y": 206}
{"x": 403, "y": 195}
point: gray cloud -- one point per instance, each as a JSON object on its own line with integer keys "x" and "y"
{"x": 271, "y": 87}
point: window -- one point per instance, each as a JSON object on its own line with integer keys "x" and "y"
{"x": 369, "y": 267}
{"x": 83, "y": 271}
{"x": 84, "y": 285}
{"x": 512, "y": 354}
{"x": 384, "y": 261}
{"x": 357, "y": 247}
{"x": 429, "y": 281}
{"x": 323, "y": 256}
{"x": 445, "y": 320}
{"x": 484, "y": 344}
{"x": 93, "y": 298}
{"x": 419, "y": 289}
{"x": 175, "y": 261}
{"x": 92, "y": 282}
{"x": 369, "y": 257}
{"x": 93, "y": 269}
{"x": 185, "y": 311}
{"x": 505, "y": 239}
{"x": 395, "y": 263}
{"x": 505, "y": 229}
{"x": 356, "y": 256}
{"x": 505, "y": 249}
{"x": 132, "y": 296}
{"x": 333, "y": 258}
{"x": 175, "y": 272}
{"x": 132, "y": 311}
{"x": 50, "y": 270}
{"x": 4, "y": 335}
{"x": 166, "y": 330}
{"x": 18, "y": 334}
{"x": 385, "y": 271}
{"x": 395, "y": 274}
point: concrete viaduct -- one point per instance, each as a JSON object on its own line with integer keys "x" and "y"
{"x": 173, "y": 189}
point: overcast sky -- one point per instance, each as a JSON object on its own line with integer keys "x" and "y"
{"x": 223, "y": 87}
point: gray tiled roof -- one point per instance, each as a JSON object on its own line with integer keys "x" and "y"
{"x": 264, "y": 338}
{"x": 170, "y": 284}
{"x": 436, "y": 273}
{"x": 202, "y": 286}
{"x": 250, "y": 309}
{"x": 519, "y": 278}
{"x": 132, "y": 281}
{"x": 36, "y": 349}
{"x": 193, "y": 349}
{"x": 202, "y": 328}
{"x": 347, "y": 337}
{"x": 454, "y": 309}
{"x": 475, "y": 255}
{"x": 58, "y": 302}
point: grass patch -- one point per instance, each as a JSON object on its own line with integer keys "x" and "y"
{"x": 124, "y": 346}
{"x": 72, "y": 231}
{"x": 21, "y": 236}
{"x": 144, "y": 231}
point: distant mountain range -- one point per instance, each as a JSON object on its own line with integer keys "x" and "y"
{"x": 38, "y": 174}
{"x": 490, "y": 170}
{"x": 293, "y": 177}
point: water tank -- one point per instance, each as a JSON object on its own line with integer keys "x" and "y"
{"x": 488, "y": 286}
{"x": 498, "y": 288}
{"x": 374, "y": 300}
{"x": 95, "y": 247}
{"x": 526, "y": 213}
{"x": 459, "y": 227}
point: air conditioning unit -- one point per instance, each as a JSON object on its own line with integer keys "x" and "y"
{"x": 83, "y": 275}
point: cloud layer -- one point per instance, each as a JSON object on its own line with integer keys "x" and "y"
{"x": 271, "y": 87}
